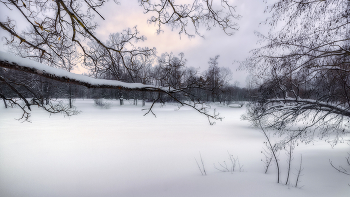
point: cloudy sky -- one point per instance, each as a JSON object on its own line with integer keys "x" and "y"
{"x": 197, "y": 50}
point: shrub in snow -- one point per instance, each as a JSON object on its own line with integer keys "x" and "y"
{"x": 231, "y": 167}
{"x": 102, "y": 103}
{"x": 201, "y": 167}
{"x": 341, "y": 168}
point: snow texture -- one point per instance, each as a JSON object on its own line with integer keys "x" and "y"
{"x": 41, "y": 68}
{"x": 120, "y": 152}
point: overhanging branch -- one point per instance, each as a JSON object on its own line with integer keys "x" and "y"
{"x": 25, "y": 65}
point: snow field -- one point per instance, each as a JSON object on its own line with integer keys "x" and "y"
{"x": 120, "y": 152}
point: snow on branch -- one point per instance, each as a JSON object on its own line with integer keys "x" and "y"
{"x": 26, "y": 65}
{"x": 313, "y": 104}
{"x": 11, "y": 61}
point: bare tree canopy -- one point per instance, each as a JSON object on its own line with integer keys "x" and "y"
{"x": 303, "y": 70}
{"x": 56, "y": 26}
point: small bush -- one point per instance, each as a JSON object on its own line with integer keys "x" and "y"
{"x": 102, "y": 104}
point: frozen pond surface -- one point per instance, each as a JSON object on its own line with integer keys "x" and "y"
{"x": 120, "y": 152}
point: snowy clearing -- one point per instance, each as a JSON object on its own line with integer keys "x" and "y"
{"x": 120, "y": 152}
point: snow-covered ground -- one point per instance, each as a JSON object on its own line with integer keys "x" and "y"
{"x": 120, "y": 152}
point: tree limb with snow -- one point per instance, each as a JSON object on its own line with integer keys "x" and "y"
{"x": 10, "y": 61}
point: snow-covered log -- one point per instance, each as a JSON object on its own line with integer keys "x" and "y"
{"x": 26, "y": 65}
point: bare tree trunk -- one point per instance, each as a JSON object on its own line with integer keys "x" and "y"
{"x": 121, "y": 100}
{"x": 273, "y": 152}
{"x": 299, "y": 171}
{"x": 289, "y": 160}
{"x": 143, "y": 99}
{"x": 70, "y": 96}
{"x": 46, "y": 93}
{"x": 42, "y": 90}
{"x": 4, "y": 102}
